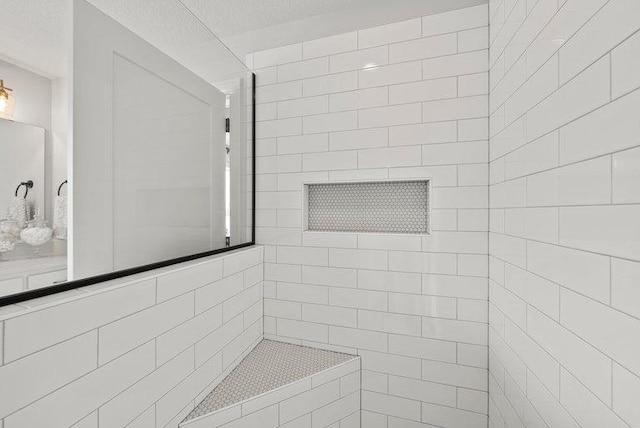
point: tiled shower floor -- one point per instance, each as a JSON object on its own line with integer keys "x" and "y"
{"x": 269, "y": 366}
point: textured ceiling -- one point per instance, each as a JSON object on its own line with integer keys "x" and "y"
{"x": 34, "y": 33}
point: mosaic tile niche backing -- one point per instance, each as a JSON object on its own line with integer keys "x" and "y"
{"x": 381, "y": 206}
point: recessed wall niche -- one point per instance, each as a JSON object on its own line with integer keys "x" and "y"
{"x": 398, "y": 206}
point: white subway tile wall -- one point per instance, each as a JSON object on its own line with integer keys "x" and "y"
{"x": 564, "y": 179}
{"x": 407, "y": 100}
{"x": 140, "y": 353}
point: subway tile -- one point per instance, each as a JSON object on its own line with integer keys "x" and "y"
{"x": 473, "y": 40}
{"x": 278, "y": 92}
{"x": 303, "y": 144}
{"x": 585, "y": 93}
{"x": 547, "y": 405}
{"x": 455, "y": 109}
{"x": 539, "y": 155}
{"x": 277, "y": 56}
{"x": 430, "y": 349}
{"x": 333, "y": 277}
{"x": 456, "y": 242}
{"x": 390, "y": 405}
{"x": 432, "y": 306}
{"x": 358, "y": 259}
{"x": 626, "y": 393}
{"x": 473, "y": 129}
{"x": 456, "y": 20}
{"x": 330, "y": 45}
{"x": 303, "y": 107}
{"x": 330, "y": 161}
{"x": 580, "y": 271}
{"x": 455, "y": 375}
{"x": 360, "y": 139}
{"x": 617, "y": 232}
{"x": 279, "y": 164}
{"x": 359, "y": 299}
{"x": 426, "y": 90}
{"x": 173, "y": 342}
{"x": 359, "y": 174}
{"x": 125, "y": 407}
{"x": 360, "y": 59}
{"x": 420, "y": 390}
{"x": 185, "y": 280}
{"x": 454, "y": 330}
{"x": 389, "y": 322}
{"x": 625, "y": 294}
{"x": 585, "y": 183}
{"x": 606, "y": 329}
{"x": 390, "y": 33}
{"x": 455, "y": 65}
{"x": 32, "y": 377}
{"x": 266, "y": 76}
{"x": 625, "y": 67}
{"x": 474, "y": 401}
{"x": 302, "y": 293}
{"x": 472, "y": 310}
{"x": 37, "y": 330}
{"x": 282, "y": 309}
{"x": 588, "y": 411}
{"x": 577, "y": 356}
{"x": 361, "y": 99}
{"x": 473, "y": 84}
{"x": 455, "y": 286}
{"x": 422, "y": 262}
{"x": 454, "y": 153}
{"x": 626, "y": 177}
{"x": 303, "y": 330}
{"x": 361, "y": 339}
{"x": 613, "y": 123}
{"x": 338, "y": 412}
{"x": 440, "y": 415}
{"x": 330, "y": 122}
{"x": 474, "y": 175}
{"x": 127, "y": 333}
{"x": 389, "y": 157}
{"x": 297, "y": 406}
{"x": 426, "y": 133}
{"x": 303, "y": 69}
{"x": 214, "y": 294}
{"x": 438, "y": 175}
{"x": 328, "y": 239}
{"x": 330, "y": 315}
{"x": 279, "y": 128}
{"x": 214, "y": 343}
{"x": 390, "y": 74}
{"x": 329, "y": 84}
{"x": 610, "y": 26}
{"x": 539, "y": 224}
{"x": 405, "y": 114}
{"x": 401, "y": 282}
{"x": 541, "y": 294}
{"x": 67, "y": 405}
{"x": 241, "y": 302}
{"x": 430, "y": 47}
{"x": 472, "y": 355}
{"x": 303, "y": 256}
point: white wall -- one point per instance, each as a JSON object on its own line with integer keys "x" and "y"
{"x": 142, "y": 350}
{"x": 564, "y": 243}
{"x": 414, "y": 307}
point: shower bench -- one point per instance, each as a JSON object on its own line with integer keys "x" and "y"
{"x": 284, "y": 385}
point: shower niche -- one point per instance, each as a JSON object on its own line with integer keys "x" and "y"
{"x": 389, "y": 206}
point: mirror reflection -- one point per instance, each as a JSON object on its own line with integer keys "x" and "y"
{"x": 131, "y": 151}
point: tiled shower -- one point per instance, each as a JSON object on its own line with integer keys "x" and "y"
{"x": 446, "y": 210}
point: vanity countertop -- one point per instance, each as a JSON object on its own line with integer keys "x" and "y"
{"x": 24, "y": 267}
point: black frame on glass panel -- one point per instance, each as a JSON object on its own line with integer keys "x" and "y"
{"x": 71, "y": 285}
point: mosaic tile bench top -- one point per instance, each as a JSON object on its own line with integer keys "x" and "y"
{"x": 269, "y": 366}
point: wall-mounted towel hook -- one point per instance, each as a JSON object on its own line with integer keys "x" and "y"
{"x": 60, "y": 186}
{"x": 27, "y": 185}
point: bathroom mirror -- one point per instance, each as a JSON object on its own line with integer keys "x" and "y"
{"x": 160, "y": 143}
